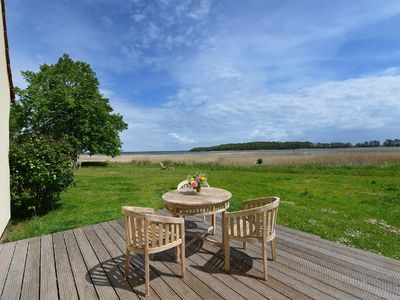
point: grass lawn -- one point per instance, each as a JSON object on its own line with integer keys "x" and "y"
{"x": 356, "y": 206}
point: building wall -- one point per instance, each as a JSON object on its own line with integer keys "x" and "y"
{"x": 4, "y": 140}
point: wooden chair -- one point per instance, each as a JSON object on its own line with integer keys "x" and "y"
{"x": 255, "y": 224}
{"x": 147, "y": 233}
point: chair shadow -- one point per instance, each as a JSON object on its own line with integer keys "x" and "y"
{"x": 111, "y": 272}
{"x": 240, "y": 263}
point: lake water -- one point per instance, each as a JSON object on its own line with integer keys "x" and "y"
{"x": 303, "y": 151}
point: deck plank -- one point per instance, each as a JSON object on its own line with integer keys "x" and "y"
{"x": 12, "y": 287}
{"x": 114, "y": 274}
{"x": 5, "y": 261}
{"x": 84, "y": 284}
{"x": 30, "y": 285}
{"x": 104, "y": 290}
{"x": 347, "y": 272}
{"x": 48, "y": 279}
{"x": 65, "y": 278}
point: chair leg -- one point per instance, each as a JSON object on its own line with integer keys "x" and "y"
{"x": 127, "y": 259}
{"x": 213, "y": 223}
{"x": 177, "y": 254}
{"x": 264, "y": 250}
{"x": 226, "y": 253}
{"x": 146, "y": 273}
{"x": 183, "y": 267}
{"x": 273, "y": 249}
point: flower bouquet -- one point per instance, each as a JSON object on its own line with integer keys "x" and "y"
{"x": 197, "y": 181}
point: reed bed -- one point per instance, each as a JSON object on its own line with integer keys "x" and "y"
{"x": 249, "y": 158}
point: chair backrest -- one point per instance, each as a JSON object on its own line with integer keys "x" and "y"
{"x": 146, "y": 230}
{"x": 183, "y": 185}
{"x": 257, "y": 221}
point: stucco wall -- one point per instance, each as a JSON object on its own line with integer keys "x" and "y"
{"x": 4, "y": 142}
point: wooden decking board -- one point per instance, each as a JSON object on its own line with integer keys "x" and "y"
{"x": 65, "y": 278}
{"x": 116, "y": 254}
{"x": 334, "y": 282}
{"x": 201, "y": 260}
{"x": 48, "y": 278}
{"x": 371, "y": 257}
{"x": 5, "y": 262}
{"x": 333, "y": 264}
{"x": 65, "y": 266}
{"x": 271, "y": 289}
{"x": 12, "y": 287}
{"x": 309, "y": 285}
{"x": 134, "y": 278}
{"x": 111, "y": 268}
{"x": 84, "y": 284}
{"x": 213, "y": 264}
{"x": 30, "y": 285}
{"x": 104, "y": 290}
{"x": 380, "y": 271}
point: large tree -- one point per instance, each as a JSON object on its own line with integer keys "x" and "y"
{"x": 63, "y": 101}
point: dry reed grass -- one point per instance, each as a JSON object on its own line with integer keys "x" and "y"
{"x": 248, "y": 158}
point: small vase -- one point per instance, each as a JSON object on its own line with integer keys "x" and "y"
{"x": 198, "y": 189}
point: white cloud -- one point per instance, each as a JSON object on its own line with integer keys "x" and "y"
{"x": 181, "y": 139}
{"x": 208, "y": 117}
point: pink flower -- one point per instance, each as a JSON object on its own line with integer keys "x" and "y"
{"x": 194, "y": 184}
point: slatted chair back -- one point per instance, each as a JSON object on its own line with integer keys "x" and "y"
{"x": 144, "y": 230}
{"x": 183, "y": 185}
{"x": 256, "y": 222}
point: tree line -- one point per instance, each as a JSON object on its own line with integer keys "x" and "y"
{"x": 296, "y": 145}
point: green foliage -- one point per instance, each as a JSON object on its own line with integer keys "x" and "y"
{"x": 40, "y": 169}
{"x": 392, "y": 143}
{"x": 63, "y": 100}
{"x": 272, "y": 146}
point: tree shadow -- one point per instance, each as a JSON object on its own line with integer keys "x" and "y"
{"x": 85, "y": 164}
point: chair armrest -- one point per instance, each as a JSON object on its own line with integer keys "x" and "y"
{"x": 136, "y": 209}
{"x": 258, "y": 202}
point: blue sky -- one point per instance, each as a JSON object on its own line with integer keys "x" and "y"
{"x": 196, "y": 73}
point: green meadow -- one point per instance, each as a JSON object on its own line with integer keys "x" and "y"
{"x": 355, "y": 206}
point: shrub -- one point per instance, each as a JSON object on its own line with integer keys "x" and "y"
{"x": 40, "y": 169}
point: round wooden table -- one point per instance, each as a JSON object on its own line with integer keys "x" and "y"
{"x": 187, "y": 202}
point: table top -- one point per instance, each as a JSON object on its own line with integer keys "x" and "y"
{"x": 189, "y": 197}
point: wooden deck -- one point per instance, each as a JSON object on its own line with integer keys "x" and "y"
{"x": 87, "y": 263}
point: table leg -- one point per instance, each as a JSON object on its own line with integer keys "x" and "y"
{"x": 177, "y": 249}
{"x": 223, "y": 228}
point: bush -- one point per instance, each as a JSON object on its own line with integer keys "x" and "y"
{"x": 40, "y": 169}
